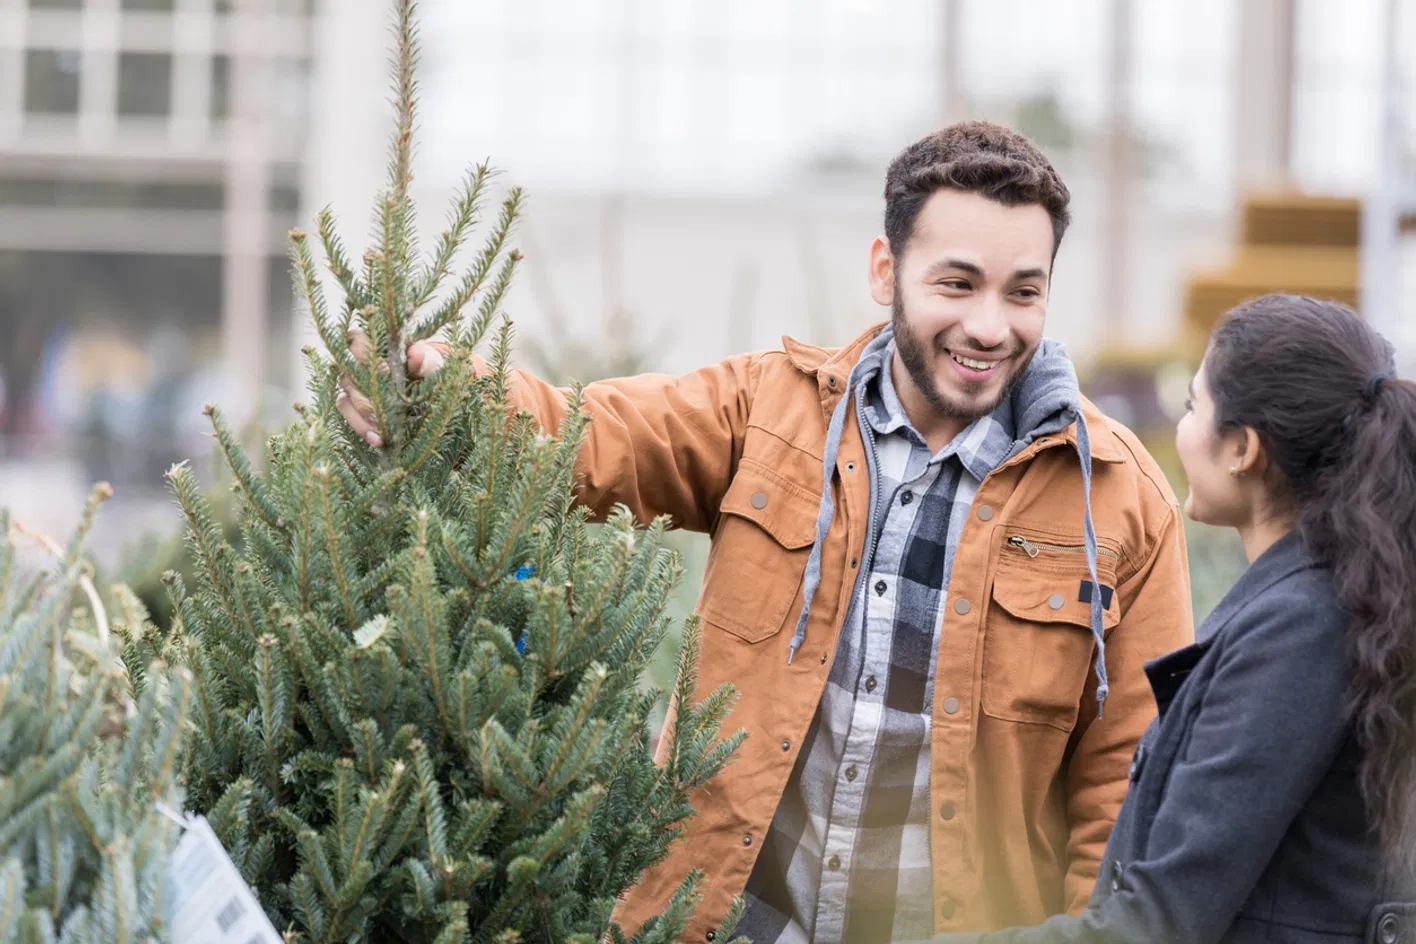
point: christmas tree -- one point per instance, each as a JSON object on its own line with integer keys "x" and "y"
{"x": 421, "y": 718}
{"x": 83, "y": 848}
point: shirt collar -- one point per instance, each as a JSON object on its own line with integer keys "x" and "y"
{"x": 980, "y": 448}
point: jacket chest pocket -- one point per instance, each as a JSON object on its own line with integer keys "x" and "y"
{"x": 766, "y": 527}
{"x": 1037, "y": 647}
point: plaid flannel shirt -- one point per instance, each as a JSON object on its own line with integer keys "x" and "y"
{"x": 847, "y": 857}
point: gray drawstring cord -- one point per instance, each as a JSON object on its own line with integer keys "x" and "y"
{"x": 1098, "y": 624}
{"x": 824, "y": 514}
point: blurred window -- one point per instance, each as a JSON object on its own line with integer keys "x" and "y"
{"x": 52, "y": 81}
{"x": 144, "y": 83}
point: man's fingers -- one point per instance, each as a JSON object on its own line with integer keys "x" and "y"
{"x": 424, "y": 359}
{"x": 356, "y": 410}
{"x": 359, "y": 346}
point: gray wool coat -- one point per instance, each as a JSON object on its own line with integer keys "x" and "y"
{"x": 1244, "y": 822}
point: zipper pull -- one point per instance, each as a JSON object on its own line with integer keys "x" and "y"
{"x": 1022, "y": 544}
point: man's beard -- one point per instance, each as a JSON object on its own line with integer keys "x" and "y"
{"x": 913, "y": 354}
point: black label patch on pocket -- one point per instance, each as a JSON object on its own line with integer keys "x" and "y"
{"x": 1084, "y": 595}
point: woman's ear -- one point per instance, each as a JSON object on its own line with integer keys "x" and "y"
{"x": 1248, "y": 457}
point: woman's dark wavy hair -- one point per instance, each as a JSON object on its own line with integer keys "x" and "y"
{"x": 1304, "y": 375}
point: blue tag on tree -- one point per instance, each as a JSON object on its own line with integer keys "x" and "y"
{"x": 522, "y": 573}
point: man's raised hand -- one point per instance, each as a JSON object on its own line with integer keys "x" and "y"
{"x": 424, "y": 359}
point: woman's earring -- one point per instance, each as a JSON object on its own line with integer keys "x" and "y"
{"x": 1236, "y": 472}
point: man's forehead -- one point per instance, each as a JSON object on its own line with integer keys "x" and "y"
{"x": 980, "y": 231}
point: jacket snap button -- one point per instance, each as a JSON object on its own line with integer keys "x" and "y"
{"x": 985, "y": 513}
{"x": 850, "y": 466}
{"x": 712, "y": 935}
{"x": 830, "y": 381}
{"x": 946, "y": 811}
{"x": 786, "y": 745}
{"x": 759, "y": 501}
{"x": 1056, "y": 600}
{"x": 854, "y": 562}
{"x": 823, "y": 658}
{"x": 1389, "y": 929}
{"x": 747, "y": 840}
{"x": 962, "y": 607}
{"x": 951, "y": 706}
{"x": 946, "y": 910}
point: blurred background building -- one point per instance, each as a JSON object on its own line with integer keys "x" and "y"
{"x": 702, "y": 178}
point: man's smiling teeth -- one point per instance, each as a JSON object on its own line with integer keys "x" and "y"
{"x": 972, "y": 364}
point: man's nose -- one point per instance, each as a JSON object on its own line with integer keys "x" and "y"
{"x": 986, "y": 325}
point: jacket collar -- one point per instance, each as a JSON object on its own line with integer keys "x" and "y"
{"x": 1167, "y": 673}
{"x": 816, "y": 361}
{"x": 1286, "y": 557}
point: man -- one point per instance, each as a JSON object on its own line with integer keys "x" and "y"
{"x": 933, "y": 565}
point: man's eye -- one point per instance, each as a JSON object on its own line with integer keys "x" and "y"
{"x": 1028, "y": 293}
{"x": 958, "y": 285}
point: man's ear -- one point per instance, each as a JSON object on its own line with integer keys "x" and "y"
{"x": 882, "y": 272}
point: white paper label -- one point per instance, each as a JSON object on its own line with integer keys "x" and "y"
{"x": 208, "y": 901}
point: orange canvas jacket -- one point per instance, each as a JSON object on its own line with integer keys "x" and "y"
{"x": 1025, "y": 777}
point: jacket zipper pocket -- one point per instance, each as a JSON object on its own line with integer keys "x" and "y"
{"x": 1034, "y": 548}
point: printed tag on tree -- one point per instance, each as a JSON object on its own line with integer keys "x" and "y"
{"x": 208, "y": 901}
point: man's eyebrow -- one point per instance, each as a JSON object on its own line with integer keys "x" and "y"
{"x": 938, "y": 268}
{"x": 1034, "y": 273}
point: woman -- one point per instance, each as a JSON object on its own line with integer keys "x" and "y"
{"x": 1272, "y": 800}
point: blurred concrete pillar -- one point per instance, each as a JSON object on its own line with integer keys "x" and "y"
{"x": 1391, "y": 199}
{"x": 246, "y": 258}
{"x": 1264, "y": 134}
{"x": 1120, "y": 173}
{"x": 951, "y": 61}
{"x": 348, "y": 133}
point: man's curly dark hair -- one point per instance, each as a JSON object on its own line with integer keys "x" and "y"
{"x": 972, "y": 157}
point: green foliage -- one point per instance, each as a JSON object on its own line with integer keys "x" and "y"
{"x": 420, "y": 718}
{"x": 82, "y": 848}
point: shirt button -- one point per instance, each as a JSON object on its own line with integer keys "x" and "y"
{"x": 759, "y": 500}
{"x": 851, "y": 773}
{"x": 906, "y": 498}
{"x": 870, "y": 684}
{"x": 946, "y": 910}
{"x": 962, "y": 606}
{"x": 1055, "y": 601}
{"x": 951, "y": 706}
{"x": 985, "y": 512}
{"x": 880, "y": 588}
{"x": 946, "y": 811}
{"x": 833, "y": 863}
{"x": 747, "y": 840}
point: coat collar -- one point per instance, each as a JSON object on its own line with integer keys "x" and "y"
{"x": 816, "y": 361}
{"x": 1286, "y": 557}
